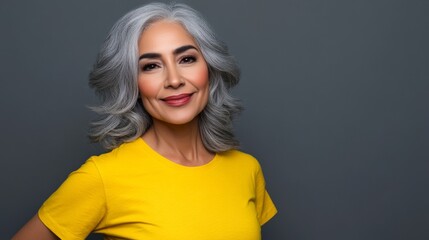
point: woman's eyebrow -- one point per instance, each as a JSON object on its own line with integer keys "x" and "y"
{"x": 183, "y": 49}
{"x": 176, "y": 51}
{"x": 150, "y": 55}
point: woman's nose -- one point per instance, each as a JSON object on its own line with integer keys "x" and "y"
{"x": 174, "y": 79}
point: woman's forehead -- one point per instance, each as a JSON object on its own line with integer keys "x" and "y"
{"x": 164, "y": 35}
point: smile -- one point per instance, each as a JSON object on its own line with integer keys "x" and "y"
{"x": 178, "y": 100}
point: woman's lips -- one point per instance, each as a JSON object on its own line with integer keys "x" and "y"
{"x": 178, "y": 100}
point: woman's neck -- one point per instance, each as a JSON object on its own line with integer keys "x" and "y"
{"x": 179, "y": 143}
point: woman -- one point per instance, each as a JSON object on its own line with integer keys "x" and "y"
{"x": 172, "y": 173}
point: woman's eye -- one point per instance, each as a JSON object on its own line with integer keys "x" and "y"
{"x": 150, "y": 66}
{"x": 188, "y": 59}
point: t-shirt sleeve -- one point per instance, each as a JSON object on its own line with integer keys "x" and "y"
{"x": 75, "y": 209}
{"x": 264, "y": 205}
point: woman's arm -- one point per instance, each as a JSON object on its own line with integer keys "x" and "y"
{"x": 35, "y": 230}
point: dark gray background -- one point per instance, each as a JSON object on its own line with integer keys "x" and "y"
{"x": 336, "y": 95}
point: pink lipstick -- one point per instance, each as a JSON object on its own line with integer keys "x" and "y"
{"x": 178, "y": 100}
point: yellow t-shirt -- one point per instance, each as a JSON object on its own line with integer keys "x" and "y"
{"x": 133, "y": 192}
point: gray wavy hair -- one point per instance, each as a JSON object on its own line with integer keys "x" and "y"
{"x": 114, "y": 78}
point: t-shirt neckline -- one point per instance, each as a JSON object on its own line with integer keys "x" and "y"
{"x": 167, "y": 161}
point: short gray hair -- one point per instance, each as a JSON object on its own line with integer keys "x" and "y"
{"x": 114, "y": 78}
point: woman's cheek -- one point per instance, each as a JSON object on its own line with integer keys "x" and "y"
{"x": 147, "y": 87}
{"x": 201, "y": 76}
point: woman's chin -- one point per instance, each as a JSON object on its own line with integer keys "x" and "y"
{"x": 178, "y": 120}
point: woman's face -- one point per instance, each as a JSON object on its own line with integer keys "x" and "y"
{"x": 173, "y": 77}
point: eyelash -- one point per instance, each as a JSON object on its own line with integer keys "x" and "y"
{"x": 149, "y": 67}
{"x": 187, "y": 58}
{"x": 184, "y": 60}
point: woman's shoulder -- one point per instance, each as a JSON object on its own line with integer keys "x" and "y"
{"x": 240, "y": 157}
{"x": 126, "y": 152}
